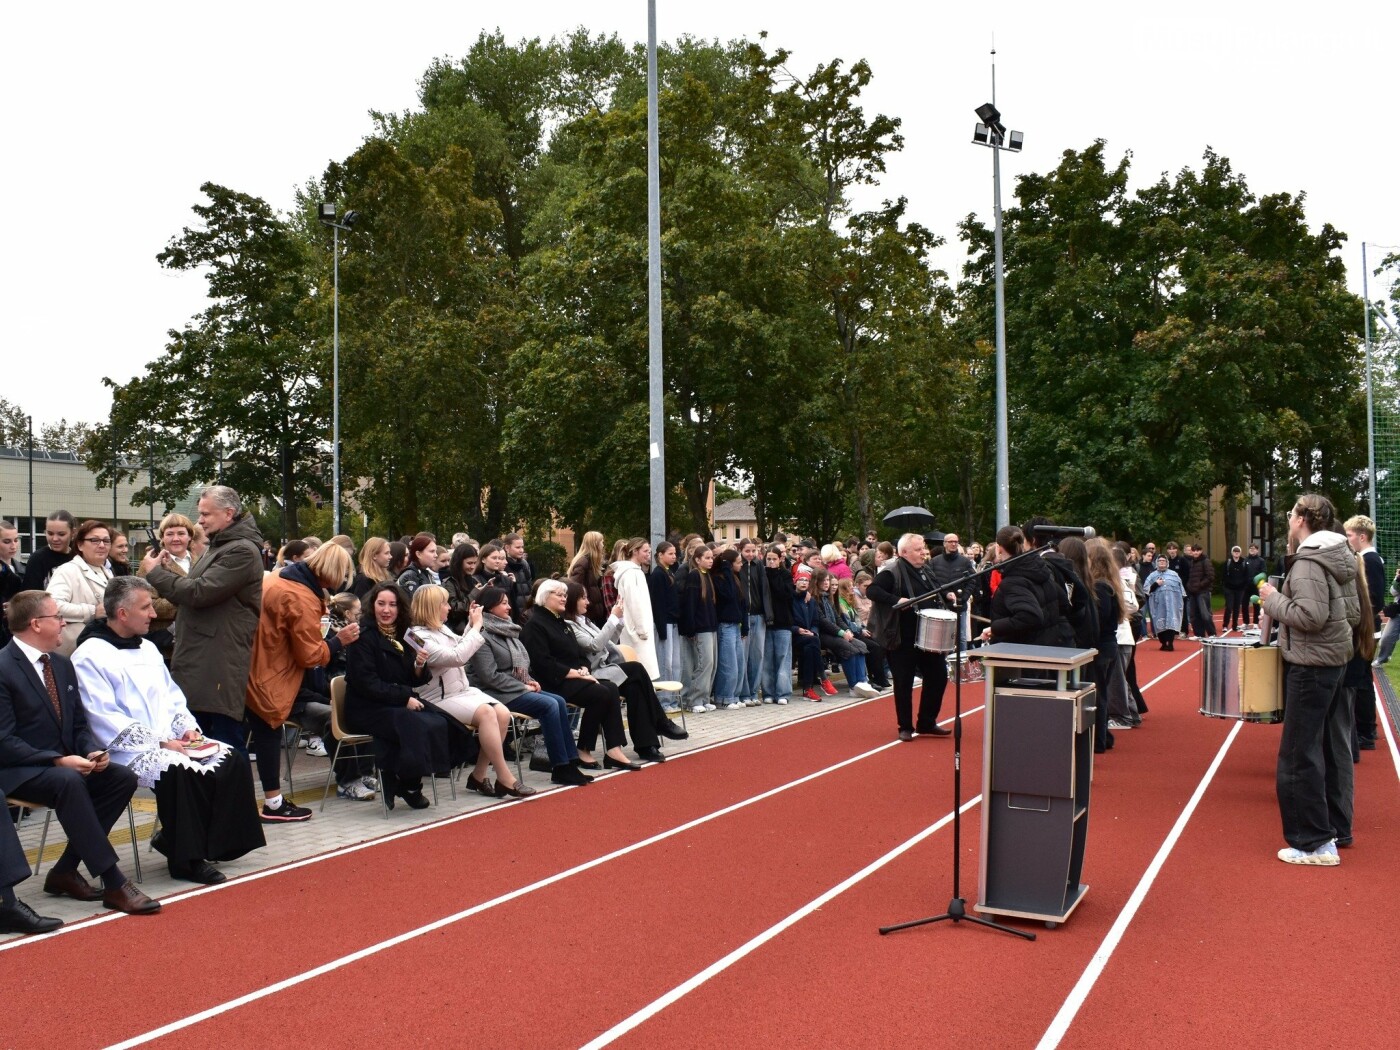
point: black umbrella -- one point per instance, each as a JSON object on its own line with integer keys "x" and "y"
{"x": 909, "y": 519}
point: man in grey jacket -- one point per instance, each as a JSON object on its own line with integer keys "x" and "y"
{"x": 1317, "y": 610}
{"x": 219, "y": 603}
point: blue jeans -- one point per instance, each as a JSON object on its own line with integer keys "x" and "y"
{"x": 729, "y": 663}
{"x": 753, "y": 655}
{"x": 668, "y": 656}
{"x": 1314, "y": 757}
{"x": 777, "y": 664}
{"x": 553, "y": 714}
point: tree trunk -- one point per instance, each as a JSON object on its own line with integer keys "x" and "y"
{"x": 289, "y": 491}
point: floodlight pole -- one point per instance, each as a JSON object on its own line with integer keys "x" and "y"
{"x": 335, "y": 379}
{"x": 1003, "y": 464}
{"x": 1370, "y": 398}
{"x": 655, "y": 388}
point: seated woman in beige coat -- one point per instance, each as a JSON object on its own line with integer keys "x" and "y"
{"x": 450, "y": 692}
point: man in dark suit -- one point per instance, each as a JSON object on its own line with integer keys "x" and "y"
{"x": 48, "y": 755}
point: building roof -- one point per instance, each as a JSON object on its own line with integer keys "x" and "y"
{"x": 735, "y": 510}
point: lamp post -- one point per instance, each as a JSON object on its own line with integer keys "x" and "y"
{"x": 656, "y": 414}
{"x": 326, "y": 214}
{"x": 990, "y": 132}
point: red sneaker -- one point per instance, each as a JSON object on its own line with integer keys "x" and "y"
{"x": 812, "y": 695}
{"x": 827, "y": 687}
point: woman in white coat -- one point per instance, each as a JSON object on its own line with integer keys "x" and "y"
{"x": 77, "y": 585}
{"x": 638, "y": 626}
{"x": 450, "y": 692}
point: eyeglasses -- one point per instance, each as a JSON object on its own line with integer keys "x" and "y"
{"x": 1293, "y": 513}
{"x": 47, "y": 616}
{"x": 99, "y": 542}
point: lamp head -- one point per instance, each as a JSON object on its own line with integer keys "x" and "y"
{"x": 325, "y": 212}
{"x": 351, "y": 217}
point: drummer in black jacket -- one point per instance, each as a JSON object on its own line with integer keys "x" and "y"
{"x": 907, "y": 576}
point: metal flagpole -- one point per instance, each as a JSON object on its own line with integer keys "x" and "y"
{"x": 655, "y": 388}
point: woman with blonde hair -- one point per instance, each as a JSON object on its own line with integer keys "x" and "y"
{"x": 836, "y": 564}
{"x": 451, "y": 693}
{"x": 375, "y": 556}
{"x": 587, "y": 571}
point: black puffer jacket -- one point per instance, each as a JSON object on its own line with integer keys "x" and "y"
{"x": 1026, "y": 606}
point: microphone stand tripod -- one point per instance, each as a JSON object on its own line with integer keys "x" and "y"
{"x": 957, "y": 906}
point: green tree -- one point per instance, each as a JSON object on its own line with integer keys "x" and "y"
{"x": 242, "y": 382}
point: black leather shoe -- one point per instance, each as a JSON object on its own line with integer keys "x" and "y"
{"x": 671, "y": 731}
{"x": 906, "y": 735}
{"x": 569, "y": 774}
{"x": 936, "y": 731}
{"x": 611, "y": 763}
{"x": 586, "y": 765}
{"x": 650, "y": 754}
{"x": 71, "y": 884}
{"x": 21, "y": 918}
{"x": 415, "y": 799}
{"x": 482, "y": 786}
{"x": 197, "y": 871}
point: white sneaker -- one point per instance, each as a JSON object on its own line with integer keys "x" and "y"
{"x": 370, "y": 782}
{"x": 711, "y": 707}
{"x": 317, "y": 748}
{"x": 1114, "y": 723}
{"x": 865, "y": 689}
{"x": 753, "y": 703}
{"x": 737, "y": 705}
{"x": 918, "y": 680}
{"x": 781, "y": 700}
{"x": 355, "y": 791}
{"x": 1324, "y": 856}
{"x": 698, "y": 709}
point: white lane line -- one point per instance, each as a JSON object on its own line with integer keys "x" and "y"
{"x": 719, "y": 966}
{"x": 1080, "y": 992}
{"x": 476, "y": 909}
{"x": 1383, "y": 717}
{"x": 278, "y": 869}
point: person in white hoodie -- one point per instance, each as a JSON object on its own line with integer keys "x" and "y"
{"x": 638, "y": 626}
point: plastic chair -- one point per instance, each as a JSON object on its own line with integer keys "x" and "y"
{"x": 22, "y": 804}
{"x": 343, "y": 739}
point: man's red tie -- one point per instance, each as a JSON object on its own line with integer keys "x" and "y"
{"x": 52, "y": 686}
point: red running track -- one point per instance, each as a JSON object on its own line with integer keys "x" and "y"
{"x": 569, "y": 960}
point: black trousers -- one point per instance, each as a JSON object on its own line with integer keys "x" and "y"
{"x": 87, "y": 807}
{"x": 644, "y": 710}
{"x": 602, "y": 708}
{"x": 905, "y": 663}
{"x": 14, "y": 865}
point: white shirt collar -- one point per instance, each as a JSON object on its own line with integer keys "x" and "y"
{"x": 31, "y": 654}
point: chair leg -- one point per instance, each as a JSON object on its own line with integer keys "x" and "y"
{"x": 135, "y": 848}
{"x": 291, "y": 750}
{"x": 43, "y": 838}
{"x": 329, "y": 773}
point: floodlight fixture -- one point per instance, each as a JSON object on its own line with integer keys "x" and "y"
{"x": 326, "y": 212}
{"x": 1014, "y": 141}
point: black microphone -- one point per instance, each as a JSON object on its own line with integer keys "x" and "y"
{"x": 1084, "y": 532}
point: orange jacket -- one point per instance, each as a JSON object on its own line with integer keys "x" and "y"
{"x": 287, "y": 642}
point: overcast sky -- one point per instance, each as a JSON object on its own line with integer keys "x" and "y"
{"x": 118, "y": 112}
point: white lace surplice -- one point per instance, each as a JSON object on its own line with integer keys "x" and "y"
{"x": 132, "y": 703}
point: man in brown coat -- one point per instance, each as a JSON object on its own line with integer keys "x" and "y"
{"x": 219, "y": 603}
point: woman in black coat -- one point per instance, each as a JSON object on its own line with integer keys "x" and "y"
{"x": 561, "y": 667}
{"x": 1026, "y": 603}
{"x": 381, "y": 672}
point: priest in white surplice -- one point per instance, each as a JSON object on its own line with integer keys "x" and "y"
{"x": 206, "y": 804}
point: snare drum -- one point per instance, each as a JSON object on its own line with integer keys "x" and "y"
{"x": 937, "y": 631}
{"x": 1241, "y": 680}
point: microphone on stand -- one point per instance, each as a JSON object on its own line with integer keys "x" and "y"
{"x": 1083, "y": 532}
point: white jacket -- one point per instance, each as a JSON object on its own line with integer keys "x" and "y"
{"x": 638, "y": 627}
{"x": 77, "y": 588}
